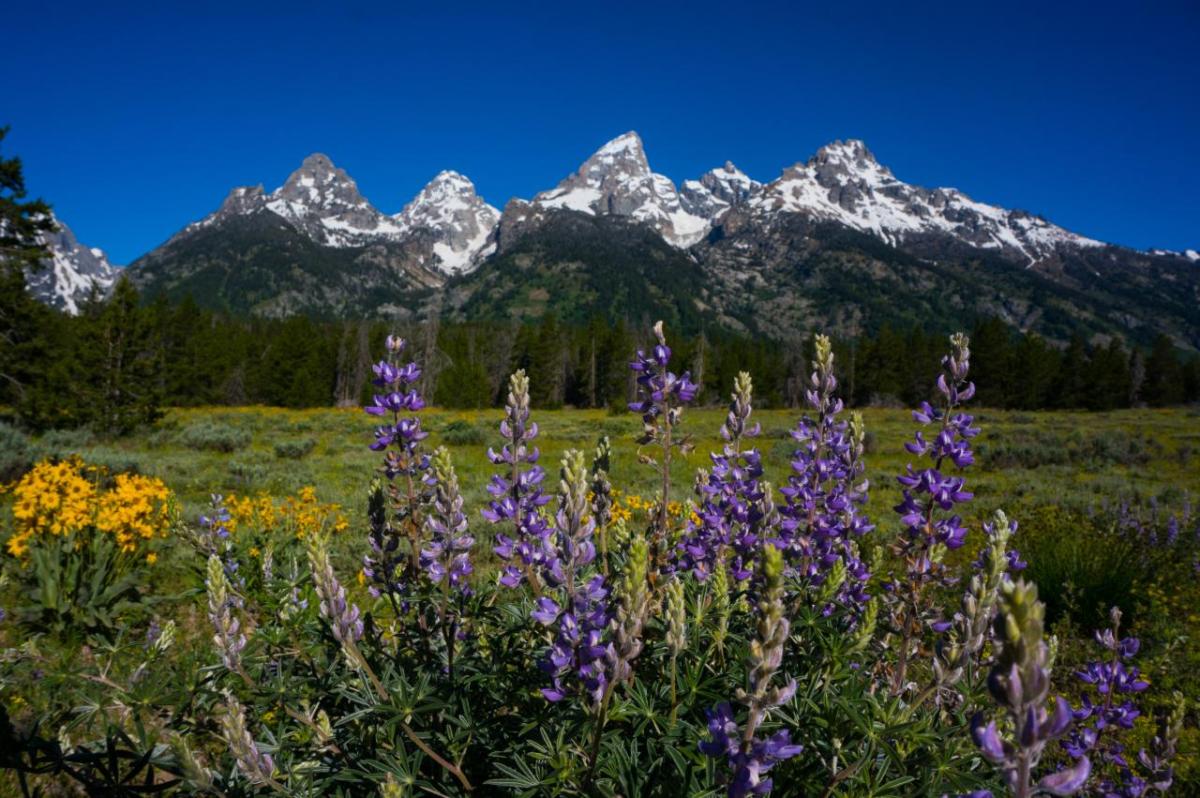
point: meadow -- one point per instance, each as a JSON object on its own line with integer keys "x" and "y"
{"x": 1095, "y": 495}
{"x": 1077, "y": 460}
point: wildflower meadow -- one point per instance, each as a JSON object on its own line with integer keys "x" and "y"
{"x": 670, "y": 601}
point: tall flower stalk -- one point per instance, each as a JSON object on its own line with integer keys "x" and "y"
{"x": 257, "y": 766}
{"x": 822, "y": 516}
{"x": 517, "y": 496}
{"x": 749, "y": 756}
{"x": 735, "y": 518}
{"x": 228, "y": 637}
{"x": 1107, "y": 711}
{"x": 446, "y": 558}
{"x": 661, "y": 397}
{"x": 1020, "y": 684}
{"x": 579, "y": 611}
{"x": 931, "y": 527}
{"x": 390, "y": 570}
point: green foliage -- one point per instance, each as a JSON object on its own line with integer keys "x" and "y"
{"x": 463, "y": 433}
{"x": 16, "y": 453}
{"x": 80, "y": 586}
{"x": 1083, "y": 567}
{"x": 295, "y": 450}
{"x": 214, "y": 436}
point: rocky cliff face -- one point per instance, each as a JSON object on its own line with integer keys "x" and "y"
{"x": 72, "y": 274}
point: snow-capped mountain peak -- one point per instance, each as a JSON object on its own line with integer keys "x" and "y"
{"x": 717, "y": 191}
{"x": 844, "y": 183}
{"x": 462, "y": 224}
{"x": 324, "y": 201}
{"x": 617, "y": 180}
{"x": 72, "y": 273}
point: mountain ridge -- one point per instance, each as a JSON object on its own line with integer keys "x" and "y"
{"x": 748, "y": 237}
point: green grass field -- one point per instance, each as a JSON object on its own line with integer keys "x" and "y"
{"x": 1077, "y": 460}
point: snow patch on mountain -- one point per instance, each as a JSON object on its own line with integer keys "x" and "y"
{"x": 72, "y": 273}
{"x": 323, "y": 201}
{"x": 462, "y": 223}
{"x": 844, "y": 183}
{"x": 617, "y": 180}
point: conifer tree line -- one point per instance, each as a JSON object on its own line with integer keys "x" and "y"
{"x": 113, "y": 366}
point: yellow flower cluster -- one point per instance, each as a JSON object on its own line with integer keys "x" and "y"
{"x": 626, "y": 504}
{"x": 61, "y": 499}
{"x": 300, "y": 515}
{"x": 135, "y": 510}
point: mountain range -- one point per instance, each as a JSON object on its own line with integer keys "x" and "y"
{"x": 836, "y": 242}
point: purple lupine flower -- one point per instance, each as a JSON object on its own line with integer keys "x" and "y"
{"x": 958, "y": 654}
{"x": 389, "y": 569}
{"x": 446, "y": 557}
{"x": 517, "y": 497}
{"x": 747, "y": 764}
{"x": 661, "y": 397}
{"x": 343, "y": 616}
{"x": 747, "y": 755}
{"x": 826, "y": 491}
{"x": 735, "y": 515}
{"x": 928, "y": 490}
{"x": 227, "y": 637}
{"x": 1020, "y": 683}
{"x": 400, "y": 438}
{"x": 1106, "y": 711}
{"x": 578, "y": 607}
{"x": 255, "y": 765}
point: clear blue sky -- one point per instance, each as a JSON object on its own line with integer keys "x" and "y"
{"x": 134, "y": 120}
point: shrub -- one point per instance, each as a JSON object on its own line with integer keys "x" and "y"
{"x": 462, "y": 433}
{"x": 295, "y": 450}
{"x": 214, "y": 437}
{"x": 16, "y": 453}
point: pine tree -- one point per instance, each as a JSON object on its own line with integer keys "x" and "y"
{"x": 24, "y": 322}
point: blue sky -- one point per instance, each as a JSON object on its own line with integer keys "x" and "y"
{"x": 135, "y": 119}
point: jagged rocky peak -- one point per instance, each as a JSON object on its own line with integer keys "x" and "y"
{"x": 72, "y": 274}
{"x": 320, "y": 184}
{"x": 717, "y": 191}
{"x": 462, "y": 224}
{"x": 845, "y": 183}
{"x": 243, "y": 199}
{"x": 617, "y": 180}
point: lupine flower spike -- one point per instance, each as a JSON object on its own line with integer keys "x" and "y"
{"x": 228, "y": 637}
{"x": 822, "y": 516}
{"x": 579, "y": 611}
{"x": 661, "y": 396}
{"x": 1020, "y": 683}
{"x": 748, "y": 756}
{"x": 735, "y": 518}
{"x": 517, "y": 495}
